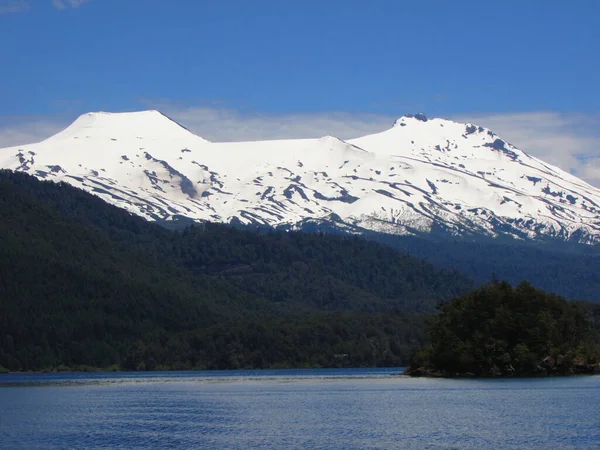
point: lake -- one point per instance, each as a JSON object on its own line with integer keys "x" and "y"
{"x": 303, "y": 409}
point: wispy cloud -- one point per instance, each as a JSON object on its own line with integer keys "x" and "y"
{"x": 14, "y": 6}
{"x": 28, "y": 130}
{"x": 568, "y": 140}
{"x": 63, "y": 4}
{"x": 20, "y": 6}
{"x": 220, "y": 124}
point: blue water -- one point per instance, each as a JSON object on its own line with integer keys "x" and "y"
{"x": 287, "y": 409}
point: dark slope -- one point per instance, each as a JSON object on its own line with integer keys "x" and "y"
{"x": 568, "y": 270}
{"x": 84, "y": 282}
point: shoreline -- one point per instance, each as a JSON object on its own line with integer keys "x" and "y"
{"x": 394, "y": 372}
{"x": 421, "y": 372}
{"x": 398, "y": 370}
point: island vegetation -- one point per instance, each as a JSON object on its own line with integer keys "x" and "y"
{"x": 501, "y": 331}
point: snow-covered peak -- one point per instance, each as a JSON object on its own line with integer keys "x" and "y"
{"x": 420, "y": 117}
{"x": 418, "y": 176}
{"x": 416, "y": 136}
{"x": 149, "y": 124}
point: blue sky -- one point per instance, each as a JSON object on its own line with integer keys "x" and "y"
{"x": 301, "y": 64}
{"x": 444, "y": 57}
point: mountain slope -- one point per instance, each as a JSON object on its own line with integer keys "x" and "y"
{"x": 571, "y": 271}
{"x": 421, "y": 176}
{"x": 84, "y": 282}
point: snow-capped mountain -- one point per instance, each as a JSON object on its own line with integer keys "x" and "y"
{"x": 419, "y": 176}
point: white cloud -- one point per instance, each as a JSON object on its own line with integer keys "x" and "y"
{"x": 218, "y": 124}
{"x": 62, "y": 4}
{"x": 568, "y": 140}
{"x": 14, "y": 6}
{"x": 28, "y": 130}
{"x": 18, "y": 6}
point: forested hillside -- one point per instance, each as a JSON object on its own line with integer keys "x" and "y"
{"x": 569, "y": 270}
{"x": 87, "y": 284}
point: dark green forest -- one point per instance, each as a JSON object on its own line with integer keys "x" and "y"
{"x": 566, "y": 269}
{"x": 85, "y": 284}
{"x": 500, "y": 330}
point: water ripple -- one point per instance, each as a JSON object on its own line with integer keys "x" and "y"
{"x": 316, "y": 410}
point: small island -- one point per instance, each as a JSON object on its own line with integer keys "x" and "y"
{"x": 504, "y": 331}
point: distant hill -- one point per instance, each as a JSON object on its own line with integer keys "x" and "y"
{"x": 86, "y": 284}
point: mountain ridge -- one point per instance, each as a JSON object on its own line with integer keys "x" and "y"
{"x": 418, "y": 176}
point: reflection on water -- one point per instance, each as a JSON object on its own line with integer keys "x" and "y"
{"x": 296, "y": 409}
